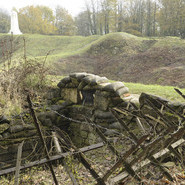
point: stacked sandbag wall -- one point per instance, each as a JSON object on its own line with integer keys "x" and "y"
{"x": 91, "y": 96}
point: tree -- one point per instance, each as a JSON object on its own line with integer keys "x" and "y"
{"x": 64, "y": 22}
{"x": 133, "y": 16}
{"x": 92, "y": 12}
{"x": 39, "y": 19}
{"x": 149, "y": 18}
{"x": 172, "y": 17}
{"x": 82, "y": 24}
{"x": 138, "y": 17}
{"x": 4, "y": 21}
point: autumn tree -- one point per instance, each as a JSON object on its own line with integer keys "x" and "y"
{"x": 134, "y": 16}
{"x": 39, "y": 19}
{"x": 172, "y": 17}
{"x": 64, "y": 22}
{"x": 4, "y": 21}
{"x": 82, "y": 24}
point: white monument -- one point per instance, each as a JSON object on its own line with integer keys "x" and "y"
{"x": 14, "y": 24}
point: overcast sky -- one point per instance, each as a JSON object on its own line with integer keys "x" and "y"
{"x": 73, "y": 6}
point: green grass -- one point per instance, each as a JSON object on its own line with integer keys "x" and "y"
{"x": 166, "y": 92}
{"x": 64, "y": 46}
{"x": 122, "y": 42}
{"x": 169, "y": 42}
{"x": 61, "y": 46}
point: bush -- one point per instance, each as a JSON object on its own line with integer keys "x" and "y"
{"x": 17, "y": 80}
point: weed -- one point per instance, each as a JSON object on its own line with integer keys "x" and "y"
{"x": 17, "y": 80}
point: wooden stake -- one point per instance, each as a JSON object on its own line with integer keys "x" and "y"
{"x": 18, "y": 163}
{"x": 114, "y": 151}
{"x": 59, "y": 151}
{"x": 42, "y": 138}
{"x": 151, "y": 158}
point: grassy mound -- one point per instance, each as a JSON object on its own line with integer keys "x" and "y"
{"x": 41, "y": 45}
{"x": 119, "y": 56}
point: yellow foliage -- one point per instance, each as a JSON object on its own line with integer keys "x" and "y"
{"x": 39, "y": 19}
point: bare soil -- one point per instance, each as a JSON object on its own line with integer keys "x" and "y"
{"x": 156, "y": 65}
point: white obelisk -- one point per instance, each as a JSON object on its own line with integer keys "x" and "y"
{"x": 14, "y": 24}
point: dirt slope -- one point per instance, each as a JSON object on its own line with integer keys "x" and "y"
{"x": 121, "y": 56}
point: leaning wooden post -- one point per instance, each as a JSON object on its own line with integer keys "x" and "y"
{"x": 180, "y": 93}
{"x": 114, "y": 151}
{"x": 81, "y": 158}
{"x": 59, "y": 151}
{"x": 133, "y": 136}
{"x": 18, "y": 163}
{"x": 42, "y": 138}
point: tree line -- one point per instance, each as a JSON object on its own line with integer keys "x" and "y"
{"x": 138, "y": 17}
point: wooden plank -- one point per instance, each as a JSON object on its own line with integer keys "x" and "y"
{"x": 140, "y": 165}
{"x": 114, "y": 151}
{"x": 179, "y": 92}
{"x": 151, "y": 158}
{"x": 140, "y": 125}
{"x": 18, "y": 163}
{"x": 87, "y": 165}
{"x": 81, "y": 158}
{"x": 171, "y": 109}
{"x": 59, "y": 151}
{"x": 42, "y": 138}
{"x": 165, "y": 120}
{"x": 52, "y": 158}
{"x": 124, "y": 157}
{"x": 125, "y": 127}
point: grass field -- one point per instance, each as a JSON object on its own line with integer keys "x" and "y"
{"x": 56, "y": 46}
{"x": 166, "y": 92}
{"x": 64, "y": 46}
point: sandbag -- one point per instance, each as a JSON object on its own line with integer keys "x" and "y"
{"x": 81, "y": 85}
{"x": 78, "y": 76}
{"x": 71, "y": 85}
{"x": 100, "y": 86}
{"x": 122, "y": 91}
{"x": 88, "y": 79}
{"x": 90, "y": 87}
{"x": 64, "y": 81}
{"x": 4, "y": 127}
{"x": 98, "y": 80}
{"x": 75, "y": 81}
{"x": 16, "y": 128}
{"x": 114, "y": 86}
{"x": 103, "y": 114}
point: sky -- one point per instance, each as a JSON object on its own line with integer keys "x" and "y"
{"x": 73, "y": 6}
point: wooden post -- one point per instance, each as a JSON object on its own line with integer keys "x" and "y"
{"x": 114, "y": 151}
{"x": 179, "y": 92}
{"x": 151, "y": 158}
{"x": 18, "y": 163}
{"x": 52, "y": 158}
{"x": 81, "y": 158}
{"x": 124, "y": 157}
{"x": 59, "y": 151}
{"x": 42, "y": 138}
